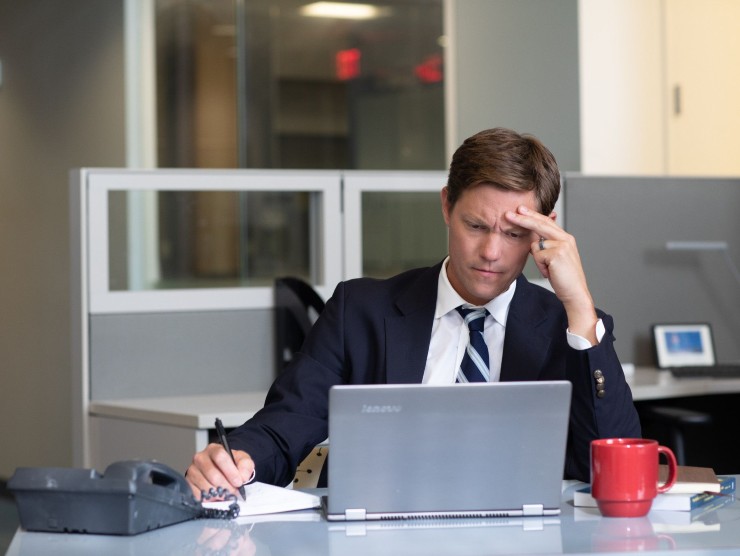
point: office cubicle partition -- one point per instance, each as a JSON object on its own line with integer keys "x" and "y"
{"x": 392, "y": 222}
{"x": 173, "y": 276}
{"x": 173, "y": 270}
{"x": 623, "y": 225}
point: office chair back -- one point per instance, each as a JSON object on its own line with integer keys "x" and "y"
{"x": 297, "y": 306}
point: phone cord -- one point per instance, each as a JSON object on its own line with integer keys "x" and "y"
{"x": 212, "y": 513}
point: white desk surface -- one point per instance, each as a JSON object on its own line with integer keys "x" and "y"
{"x": 648, "y": 383}
{"x": 199, "y": 412}
{"x": 575, "y": 531}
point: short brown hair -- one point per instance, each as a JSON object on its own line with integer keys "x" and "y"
{"x": 507, "y": 160}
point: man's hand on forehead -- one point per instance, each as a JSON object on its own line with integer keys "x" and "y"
{"x": 556, "y": 255}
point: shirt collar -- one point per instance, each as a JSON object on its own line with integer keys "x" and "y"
{"x": 448, "y": 299}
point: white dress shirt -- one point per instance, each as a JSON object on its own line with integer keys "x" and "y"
{"x": 450, "y": 335}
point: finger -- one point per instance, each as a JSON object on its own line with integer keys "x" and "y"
{"x": 543, "y": 226}
{"x": 197, "y": 482}
{"x": 542, "y": 244}
{"x": 211, "y": 468}
{"x": 540, "y": 258}
{"x": 245, "y": 465}
{"x": 227, "y": 473}
{"x": 238, "y": 471}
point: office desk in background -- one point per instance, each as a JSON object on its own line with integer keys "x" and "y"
{"x": 172, "y": 429}
{"x": 575, "y": 531}
{"x": 713, "y": 444}
{"x": 649, "y": 383}
{"x": 168, "y": 429}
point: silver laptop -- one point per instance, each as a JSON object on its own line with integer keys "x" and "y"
{"x": 463, "y": 450}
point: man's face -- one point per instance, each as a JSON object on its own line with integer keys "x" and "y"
{"x": 487, "y": 252}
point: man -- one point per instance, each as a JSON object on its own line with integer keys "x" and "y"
{"x": 498, "y": 207}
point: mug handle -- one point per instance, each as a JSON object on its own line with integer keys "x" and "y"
{"x": 672, "y": 468}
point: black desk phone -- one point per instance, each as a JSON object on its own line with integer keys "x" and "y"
{"x": 131, "y": 497}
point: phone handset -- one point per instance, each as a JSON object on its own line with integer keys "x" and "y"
{"x": 148, "y": 472}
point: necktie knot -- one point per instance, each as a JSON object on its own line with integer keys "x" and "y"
{"x": 474, "y": 318}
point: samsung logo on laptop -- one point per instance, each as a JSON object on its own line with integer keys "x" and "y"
{"x": 381, "y": 408}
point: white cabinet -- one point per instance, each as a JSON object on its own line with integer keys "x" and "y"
{"x": 659, "y": 83}
{"x": 703, "y": 85}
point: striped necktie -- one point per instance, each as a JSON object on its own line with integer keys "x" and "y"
{"x": 474, "y": 366}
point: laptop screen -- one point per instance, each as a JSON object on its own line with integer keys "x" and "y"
{"x": 491, "y": 449}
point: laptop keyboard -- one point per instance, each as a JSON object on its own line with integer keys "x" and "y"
{"x": 723, "y": 370}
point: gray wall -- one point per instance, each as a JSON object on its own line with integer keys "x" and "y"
{"x": 517, "y": 67}
{"x": 622, "y": 225}
{"x": 61, "y": 106}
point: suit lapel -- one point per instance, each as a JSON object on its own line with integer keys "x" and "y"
{"x": 408, "y": 334}
{"x": 526, "y": 343}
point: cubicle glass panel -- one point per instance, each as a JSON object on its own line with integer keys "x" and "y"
{"x": 392, "y": 222}
{"x": 176, "y": 240}
{"x": 401, "y": 230}
{"x": 210, "y": 239}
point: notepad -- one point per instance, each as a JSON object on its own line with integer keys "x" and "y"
{"x": 262, "y": 498}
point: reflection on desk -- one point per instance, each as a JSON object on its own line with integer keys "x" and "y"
{"x": 575, "y": 531}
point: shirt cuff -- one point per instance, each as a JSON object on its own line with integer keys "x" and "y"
{"x": 580, "y": 343}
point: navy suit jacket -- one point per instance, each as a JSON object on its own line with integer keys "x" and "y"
{"x": 378, "y": 331}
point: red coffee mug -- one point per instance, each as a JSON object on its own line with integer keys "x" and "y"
{"x": 624, "y": 475}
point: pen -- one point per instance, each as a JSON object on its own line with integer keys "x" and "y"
{"x": 225, "y": 443}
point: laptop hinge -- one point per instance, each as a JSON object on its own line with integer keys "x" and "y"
{"x": 354, "y": 514}
{"x": 533, "y": 509}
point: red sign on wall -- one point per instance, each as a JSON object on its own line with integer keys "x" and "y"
{"x": 348, "y": 64}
